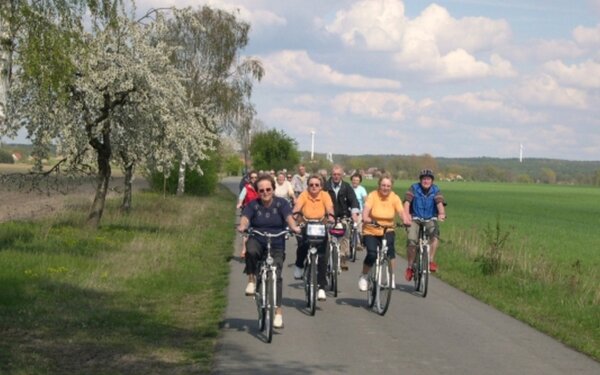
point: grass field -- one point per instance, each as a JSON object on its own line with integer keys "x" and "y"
{"x": 143, "y": 294}
{"x": 546, "y": 274}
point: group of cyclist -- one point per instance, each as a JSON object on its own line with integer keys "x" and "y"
{"x": 271, "y": 205}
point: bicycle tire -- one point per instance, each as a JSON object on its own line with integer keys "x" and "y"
{"x": 372, "y": 287}
{"x": 306, "y": 278}
{"x": 424, "y": 271}
{"x": 418, "y": 269}
{"x": 258, "y": 297}
{"x": 335, "y": 257}
{"x": 385, "y": 286}
{"x": 353, "y": 245}
{"x": 313, "y": 285}
{"x": 270, "y": 306}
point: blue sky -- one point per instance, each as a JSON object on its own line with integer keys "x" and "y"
{"x": 457, "y": 78}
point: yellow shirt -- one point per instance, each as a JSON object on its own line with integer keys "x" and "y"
{"x": 383, "y": 210}
{"x": 314, "y": 208}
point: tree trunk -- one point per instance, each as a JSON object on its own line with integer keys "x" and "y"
{"x": 5, "y": 66}
{"x": 104, "y": 172}
{"x": 126, "y": 204}
{"x": 181, "y": 180}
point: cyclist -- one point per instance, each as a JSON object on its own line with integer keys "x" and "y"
{"x": 381, "y": 206}
{"x": 247, "y": 195}
{"x": 299, "y": 180}
{"x": 423, "y": 200}
{"x": 284, "y": 189}
{"x": 344, "y": 203}
{"x": 267, "y": 214}
{"x": 314, "y": 204}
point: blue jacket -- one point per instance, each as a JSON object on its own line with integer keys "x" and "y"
{"x": 423, "y": 205}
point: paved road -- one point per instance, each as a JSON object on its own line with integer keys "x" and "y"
{"x": 446, "y": 333}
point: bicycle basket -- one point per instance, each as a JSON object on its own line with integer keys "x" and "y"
{"x": 315, "y": 231}
{"x": 338, "y": 230}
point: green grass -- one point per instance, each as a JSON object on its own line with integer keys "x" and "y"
{"x": 143, "y": 294}
{"x": 549, "y": 268}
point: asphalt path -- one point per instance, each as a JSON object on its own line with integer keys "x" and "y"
{"x": 448, "y": 332}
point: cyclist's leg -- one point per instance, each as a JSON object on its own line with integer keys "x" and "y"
{"x": 301, "y": 252}
{"x": 322, "y": 265}
{"x": 371, "y": 243}
{"x": 279, "y": 258}
{"x": 254, "y": 251}
{"x": 391, "y": 236}
{"x": 434, "y": 239}
{"x": 412, "y": 243}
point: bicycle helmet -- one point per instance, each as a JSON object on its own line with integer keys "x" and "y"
{"x": 426, "y": 173}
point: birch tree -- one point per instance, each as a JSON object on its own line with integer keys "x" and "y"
{"x": 210, "y": 42}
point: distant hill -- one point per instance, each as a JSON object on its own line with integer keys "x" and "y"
{"x": 531, "y": 170}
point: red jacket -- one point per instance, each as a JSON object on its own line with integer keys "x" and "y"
{"x": 251, "y": 194}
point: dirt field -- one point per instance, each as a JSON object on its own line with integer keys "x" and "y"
{"x": 18, "y": 205}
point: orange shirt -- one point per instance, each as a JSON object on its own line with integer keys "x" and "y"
{"x": 314, "y": 208}
{"x": 383, "y": 210}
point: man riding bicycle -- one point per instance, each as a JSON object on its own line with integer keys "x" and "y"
{"x": 344, "y": 203}
{"x": 424, "y": 201}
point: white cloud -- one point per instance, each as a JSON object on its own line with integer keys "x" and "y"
{"x": 544, "y": 50}
{"x": 587, "y": 36}
{"x": 433, "y": 42}
{"x": 299, "y": 121}
{"x": 546, "y": 91}
{"x": 493, "y": 104}
{"x": 377, "y": 105}
{"x": 585, "y": 75}
{"x": 287, "y": 68}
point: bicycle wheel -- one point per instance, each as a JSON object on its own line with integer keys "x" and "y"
{"x": 424, "y": 271}
{"x": 372, "y": 288}
{"x": 306, "y": 278}
{"x": 270, "y": 306}
{"x": 353, "y": 244}
{"x": 385, "y": 286}
{"x": 258, "y": 298}
{"x": 334, "y": 266}
{"x": 418, "y": 268}
{"x": 313, "y": 284}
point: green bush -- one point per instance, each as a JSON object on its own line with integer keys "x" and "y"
{"x": 6, "y": 157}
{"x": 195, "y": 183}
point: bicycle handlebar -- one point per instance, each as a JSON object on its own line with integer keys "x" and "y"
{"x": 252, "y": 231}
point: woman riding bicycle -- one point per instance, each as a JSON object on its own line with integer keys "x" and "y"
{"x": 381, "y": 206}
{"x": 314, "y": 204}
{"x": 267, "y": 214}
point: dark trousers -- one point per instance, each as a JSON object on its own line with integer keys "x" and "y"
{"x": 256, "y": 252}
{"x": 301, "y": 253}
{"x": 372, "y": 242}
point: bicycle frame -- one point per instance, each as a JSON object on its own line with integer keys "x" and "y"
{"x": 421, "y": 264}
{"x": 380, "y": 277}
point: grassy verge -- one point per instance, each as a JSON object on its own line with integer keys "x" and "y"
{"x": 546, "y": 273}
{"x": 144, "y": 294}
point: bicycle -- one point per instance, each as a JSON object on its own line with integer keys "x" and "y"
{"x": 354, "y": 242}
{"x": 265, "y": 293}
{"x": 421, "y": 264}
{"x": 315, "y": 233}
{"x": 379, "y": 291}
{"x": 334, "y": 269}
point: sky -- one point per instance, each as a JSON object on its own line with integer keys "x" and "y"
{"x": 455, "y": 78}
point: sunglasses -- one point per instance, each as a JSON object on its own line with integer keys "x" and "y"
{"x": 314, "y": 185}
{"x": 267, "y": 190}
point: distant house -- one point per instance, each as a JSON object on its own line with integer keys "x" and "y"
{"x": 17, "y": 156}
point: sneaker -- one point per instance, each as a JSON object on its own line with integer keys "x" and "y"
{"x": 432, "y": 266}
{"x": 278, "y": 321}
{"x": 321, "y": 296}
{"x": 393, "y": 281}
{"x": 363, "y": 284}
{"x": 297, "y": 273}
{"x": 408, "y": 274}
{"x": 250, "y": 289}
